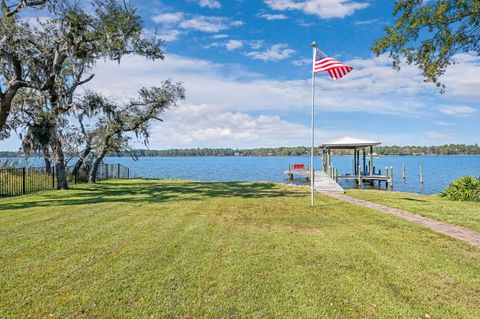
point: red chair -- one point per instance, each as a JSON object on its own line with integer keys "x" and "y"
{"x": 298, "y": 167}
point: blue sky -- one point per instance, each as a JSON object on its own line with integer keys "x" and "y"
{"x": 246, "y": 68}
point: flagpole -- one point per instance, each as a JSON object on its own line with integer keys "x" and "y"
{"x": 312, "y": 168}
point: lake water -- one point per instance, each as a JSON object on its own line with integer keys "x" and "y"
{"x": 439, "y": 171}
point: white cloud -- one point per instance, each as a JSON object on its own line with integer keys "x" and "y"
{"x": 205, "y": 24}
{"x": 169, "y": 35}
{"x": 272, "y": 17}
{"x": 212, "y": 4}
{"x": 234, "y": 44}
{"x": 226, "y": 94}
{"x": 255, "y": 44}
{"x": 325, "y": 9}
{"x": 276, "y": 52}
{"x": 436, "y": 134}
{"x": 442, "y": 123}
{"x": 220, "y": 36}
{"x": 366, "y": 22}
{"x": 196, "y": 22}
{"x": 462, "y": 78}
{"x": 205, "y": 125}
{"x": 457, "y": 110}
{"x": 373, "y": 87}
{"x": 168, "y": 18}
{"x": 301, "y": 62}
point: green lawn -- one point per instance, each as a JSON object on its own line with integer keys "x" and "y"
{"x": 465, "y": 214}
{"x": 167, "y": 249}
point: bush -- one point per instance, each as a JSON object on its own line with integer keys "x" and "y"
{"x": 466, "y": 188}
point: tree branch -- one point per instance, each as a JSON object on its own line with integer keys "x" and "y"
{"x": 23, "y": 4}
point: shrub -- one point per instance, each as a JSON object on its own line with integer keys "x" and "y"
{"x": 466, "y": 188}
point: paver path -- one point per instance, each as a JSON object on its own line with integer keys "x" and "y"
{"x": 470, "y": 236}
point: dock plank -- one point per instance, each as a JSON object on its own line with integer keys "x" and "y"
{"x": 323, "y": 183}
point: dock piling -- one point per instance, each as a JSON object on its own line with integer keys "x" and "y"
{"x": 391, "y": 177}
{"x": 421, "y": 175}
{"x": 386, "y": 174}
{"x": 359, "y": 181}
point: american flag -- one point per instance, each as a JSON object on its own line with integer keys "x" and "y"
{"x": 324, "y": 63}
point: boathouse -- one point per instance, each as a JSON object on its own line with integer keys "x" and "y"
{"x": 363, "y": 166}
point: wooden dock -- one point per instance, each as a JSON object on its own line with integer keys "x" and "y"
{"x": 323, "y": 183}
{"x": 366, "y": 178}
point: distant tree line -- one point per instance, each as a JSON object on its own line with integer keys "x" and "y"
{"x": 452, "y": 149}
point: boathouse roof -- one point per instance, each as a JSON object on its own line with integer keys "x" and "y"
{"x": 349, "y": 143}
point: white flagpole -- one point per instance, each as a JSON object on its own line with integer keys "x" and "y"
{"x": 312, "y": 168}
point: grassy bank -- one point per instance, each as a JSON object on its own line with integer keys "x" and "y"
{"x": 169, "y": 249}
{"x": 465, "y": 214}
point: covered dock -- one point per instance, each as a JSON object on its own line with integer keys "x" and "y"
{"x": 363, "y": 171}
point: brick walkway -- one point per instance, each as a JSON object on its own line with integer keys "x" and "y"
{"x": 458, "y": 232}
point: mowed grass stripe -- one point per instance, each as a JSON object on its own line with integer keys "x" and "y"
{"x": 174, "y": 249}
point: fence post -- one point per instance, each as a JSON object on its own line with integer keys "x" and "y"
{"x": 24, "y": 173}
{"x": 128, "y": 172}
{"x": 53, "y": 177}
{"x": 118, "y": 171}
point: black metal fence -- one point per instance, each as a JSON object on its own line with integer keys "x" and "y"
{"x": 25, "y": 180}
{"x": 112, "y": 171}
{"x": 105, "y": 172}
{"x": 19, "y": 181}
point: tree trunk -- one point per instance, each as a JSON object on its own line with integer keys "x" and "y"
{"x": 6, "y": 105}
{"x": 81, "y": 160}
{"x": 92, "y": 178}
{"x": 46, "y": 158}
{"x": 62, "y": 182}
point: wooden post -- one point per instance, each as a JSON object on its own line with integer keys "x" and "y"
{"x": 372, "y": 168}
{"x": 329, "y": 158}
{"x": 359, "y": 176}
{"x": 324, "y": 160}
{"x": 404, "y": 172}
{"x": 355, "y": 161}
{"x": 386, "y": 174}
{"x": 336, "y": 175}
{"x": 364, "y": 161}
{"x": 53, "y": 177}
{"x": 391, "y": 177}
{"x": 421, "y": 175}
